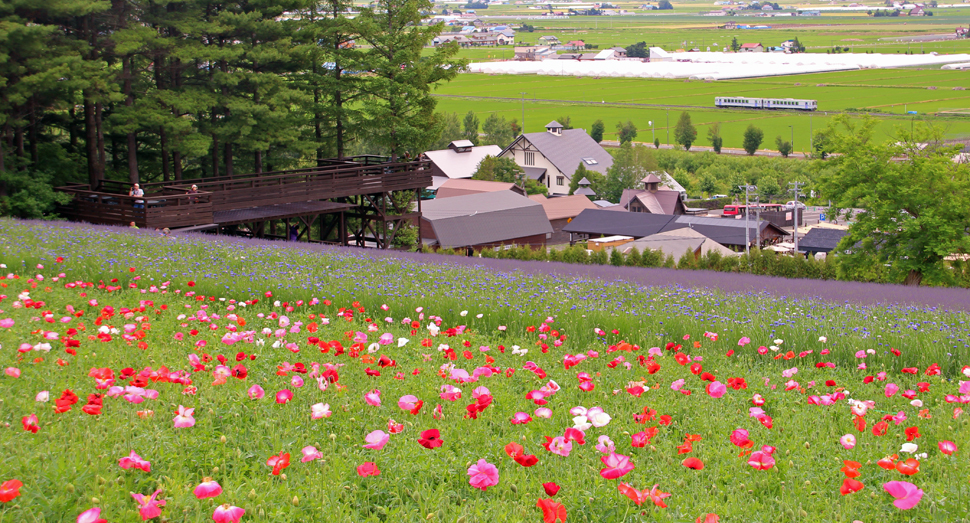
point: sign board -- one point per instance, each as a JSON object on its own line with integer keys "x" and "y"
{"x": 821, "y": 217}
{"x": 787, "y": 216}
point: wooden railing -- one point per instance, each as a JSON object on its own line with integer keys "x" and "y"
{"x": 166, "y": 204}
{"x": 157, "y": 210}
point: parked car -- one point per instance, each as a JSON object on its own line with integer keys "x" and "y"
{"x": 717, "y": 196}
{"x": 791, "y": 205}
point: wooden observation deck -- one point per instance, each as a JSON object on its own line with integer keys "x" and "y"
{"x": 360, "y": 200}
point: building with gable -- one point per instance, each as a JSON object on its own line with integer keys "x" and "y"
{"x": 552, "y": 157}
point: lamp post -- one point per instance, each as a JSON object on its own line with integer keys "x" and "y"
{"x": 792, "y": 129}
{"x": 747, "y": 229}
{"x": 653, "y": 132}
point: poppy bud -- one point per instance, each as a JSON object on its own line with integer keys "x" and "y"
{"x": 222, "y": 438}
{"x": 296, "y": 501}
{"x": 95, "y": 501}
{"x": 252, "y": 494}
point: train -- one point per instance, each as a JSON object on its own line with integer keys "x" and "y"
{"x": 766, "y": 103}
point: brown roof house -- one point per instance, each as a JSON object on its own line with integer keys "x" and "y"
{"x": 466, "y": 186}
{"x": 552, "y": 157}
{"x": 459, "y": 160}
{"x": 560, "y": 211}
{"x": 653, "y": 198}
{"x": 484, "y": 221}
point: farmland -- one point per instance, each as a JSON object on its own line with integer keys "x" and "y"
{"x": 882, "y": 91}
{"x": 135, "y": 326}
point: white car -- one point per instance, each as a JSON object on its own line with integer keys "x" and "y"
{"x": 791, "y": 205}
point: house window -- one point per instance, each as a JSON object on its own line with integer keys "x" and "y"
{"x": 530, "y": 158}
{"x": 590, "y": 161}
{"x": 560, "y": 180}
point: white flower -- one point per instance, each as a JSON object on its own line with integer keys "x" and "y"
{"x": 463, "y": 313}
{"x": 908, "y": 448}
{"x": 519, "y": 351}
{"x": 581, "y": 423}
{"x": 402, "y": 342}
{"x": 43, "y": 396}
{"x": 278, "y": 343}
{"x": 774, "y": 348}
{"x": 442, "y": 347}
{"x": 433, "y": 329}
{"x": 479, "y": 316}
{"x": 823, "y": 339}
{"x": 374, "y": 347}
{"x": 779, "y": 342}
{"x": 859, "y": 408}
{"x": 870, "y": 351}
{"x": 916, "y": 403}
{"x": 598, "y": 418}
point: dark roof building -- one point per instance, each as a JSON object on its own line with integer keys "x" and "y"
{"x": 821, "y": 239}
{"x": 482, "y": 220}
{"x": 653, "y": 198}
{"x": 600, "y": 222}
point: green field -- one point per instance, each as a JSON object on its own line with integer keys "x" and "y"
{"x": 892, "y": 91}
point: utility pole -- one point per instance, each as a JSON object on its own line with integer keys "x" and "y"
{"x": 747, "y": 228}
{"x": 652, "y": 131}
{"x": 795, "y": 186}
{"x": 811, "y": 136}
{"x": 792, "y": 129}
{"x": 668, "y": 126}
{"x": 523, "y": 111}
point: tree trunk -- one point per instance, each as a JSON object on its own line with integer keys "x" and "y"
{"x": 72, "y": 127}
{"x": 95, "y": 166}
{"x": 258, "y": 161}
{"x": 132, "y": 138}
{"x": 215, "y": 156}
{"x": 19, "y": 141}
{"x": 163, "y": 143}
{"x": 227, "y": 158}
{"x": 34, "y": 157}
{"x": 99, "y": 125}
{"x": 177, "y": 164}
{"x": 913, "y": 278}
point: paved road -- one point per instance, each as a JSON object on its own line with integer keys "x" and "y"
{"x": 701, "y": 148}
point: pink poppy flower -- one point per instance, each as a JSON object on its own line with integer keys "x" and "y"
{"x": 891, "y": 389}
{"x": 450, "y": 393}
{"x": 483, "y": 475}
{"x": 296, "y": 381}
{"x": 907, "y": 495}
{"x": 310, "y": 453}
{"x": 409, "y": 402}
{"x": 148, "y": 506}
{"x": 255, "y": 392}
{"x": 134, "y": 461}
{"x": 716, "y": 389}
{"x": 376, "y": 440}
{"x": 559, "y": 445}
{"x": 947, "y": 447}
{"x": 521, "y": 418}
{"x": 184, "y": 419}
{"x": 739, "y": 437}
{"x": 91, "y": 515}
{"x": 284, "y": 396}
{"x": 761, "y": 460}
{"x": 13, "y": 372}
{"x": 605, "y": 444}
{"x": 227, "y": 514}
{"x": 848, "y": 441}
{"x": 543, "y": 412}
{"x": 617, "y": 466}
{"x": 368, "y": 469}
{"x": 7, "y": 323}
{"x": 677, "y": 385}
{"x": 320, "y": 410}
{"x": 373, "y": 398}
{"x": 209, "y": 488}
{"x": 744, "y": 341}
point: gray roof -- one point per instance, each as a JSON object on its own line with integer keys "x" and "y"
{"x": 476, "y": 219}
{"x": 638, "y": 225}
{"x": 584, "y": 181}
{"x": 461, "y": 165}
{"x": 553, "y": 124}
{"x": 585, "y": 191}
{"x": 568, "y": 150}
{"x": 663, "y": 201}
{"x": 534, "y": 173}
{"x": 677, "y": 242}
{"x": 820, "y": 239}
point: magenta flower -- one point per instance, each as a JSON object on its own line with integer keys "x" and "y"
{"x": 320, "y": 410}
{"x": 483, "y": 475}
{"x": 605, "y": 444}
{"x": 91, "y": 515}
{"x": 521, "y": 418}
{"x": 284, "y": 396}
{"x": 373, "y": 398}
{"x": 617, "y": 466}
{"x": 376, "y": 440}
{"x": 907, "y": 495}
{"x": 761, "y": 460}
{"x": 310, "y": 453}
{"x": 744, "y": 341}
{"x": 559, "y": 445}
{"x": 184, "y": 419}
{"x": 543, "y": 412}
{"x": 209, "y": 488}
{"x": 408, "y": 402}
{"x": 255, "y": 392}
{"x": 148, "y": 506}
{"x": 947, "y": 447}
{"x": 6, "y": 323}
{"x": 227, "y": 514}
{"x": 891, "y": 389}
{"x": 716, "y": 389}
{"x": 134, "y": 461}
{"x": 450, "y": 393}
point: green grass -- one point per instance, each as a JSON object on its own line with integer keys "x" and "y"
{"x": 71, "y": 464}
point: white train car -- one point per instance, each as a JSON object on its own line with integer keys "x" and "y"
{"x": 766, "y": 103}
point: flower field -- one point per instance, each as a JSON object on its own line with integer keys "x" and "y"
{"x": 199, "y": 379}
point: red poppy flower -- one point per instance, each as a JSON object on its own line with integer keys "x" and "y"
{"x": 888, "y": 463}
{"x": 696, "y": 368}
{"x": 526, "y": 460}
{"x": 860, "y": 423}
{"x": 279, "y": 462}
{"x": 850, "y": 485}
{"x": 514, "y": 449}
{"x": 551, "y": 488}
{"x": 665, "y": 419}
{"x": 766, "y": 421}
{"x": 551, "y": 511}
{"x": 851, "y": 469}
{"x": 367, "y": 469}
{"x": 9, "y": 490}
{"x": 908, "y": 467}
{"x": 879, "y": 429}
{"x": 693, "y": 463}
{"x": 430, "y": 439}
{"x": 682, "y": 358}
{"x": 912, "y": 433}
